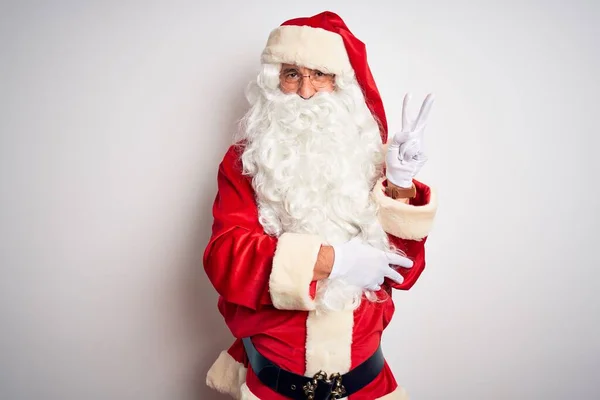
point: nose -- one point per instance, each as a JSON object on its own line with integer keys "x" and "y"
{"x": 306, "y": 89}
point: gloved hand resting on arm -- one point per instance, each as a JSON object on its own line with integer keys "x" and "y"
{"x": 360, "y": 264}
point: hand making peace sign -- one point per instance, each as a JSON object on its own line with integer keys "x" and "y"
{"x": 405, "y": 155}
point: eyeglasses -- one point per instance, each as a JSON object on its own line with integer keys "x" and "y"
{"x": 292, "y": 79}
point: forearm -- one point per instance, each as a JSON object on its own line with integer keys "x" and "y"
{"x": 324, "y": 263}
{"x": 226, "y": 259}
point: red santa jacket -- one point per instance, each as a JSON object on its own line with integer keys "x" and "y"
{"x": 266, "y": 290}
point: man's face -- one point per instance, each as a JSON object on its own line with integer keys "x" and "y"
{"x": 303, "y": 81}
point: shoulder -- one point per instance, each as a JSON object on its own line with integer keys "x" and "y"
{"x": 232, "y": 160}
{"x": 231, "y": 168}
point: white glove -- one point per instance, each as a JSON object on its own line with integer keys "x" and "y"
{"x": 363, "y": 265}
{"x": 405, "y": 156}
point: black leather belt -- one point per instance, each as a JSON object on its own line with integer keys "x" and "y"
{"x": 320, "y": 386}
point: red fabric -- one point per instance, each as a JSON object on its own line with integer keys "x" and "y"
{"x": 238, "y": 261}
{"x": 414, "y": 248}
{"x": 239, "y": 255}
{"x": 357, "y": 53}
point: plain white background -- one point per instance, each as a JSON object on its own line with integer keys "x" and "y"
{"x": 115, "y": 115}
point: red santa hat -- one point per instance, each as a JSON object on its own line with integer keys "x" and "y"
{"x": 324, "y": 42}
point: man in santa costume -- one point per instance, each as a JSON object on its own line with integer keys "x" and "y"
{"x": 317, "y": 219}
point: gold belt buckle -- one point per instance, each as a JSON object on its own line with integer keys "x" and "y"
{"x": 337, "y": 392}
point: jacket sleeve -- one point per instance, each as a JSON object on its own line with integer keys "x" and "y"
{"x": 246, "y": 266}
{"x": 407, "y": 226}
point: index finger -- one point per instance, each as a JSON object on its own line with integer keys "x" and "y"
{"x": 397, "y": 259}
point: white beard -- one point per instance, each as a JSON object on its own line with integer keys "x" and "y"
{"x": 313, "y": 167}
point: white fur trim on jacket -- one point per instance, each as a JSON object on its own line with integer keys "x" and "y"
{"x": 293, "y": 270}
{"x": 247, "y": 394}
{"x": 404, "y": 220}
{"x": 314, "y": 48}
{"x": 329, "y": 341}
{"x": 227, "y": 375}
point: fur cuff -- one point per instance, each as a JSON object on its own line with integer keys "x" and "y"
{"x": 403, "y": 220}
{"x": 293, "y": 269}
{"x": 226, "y": 375}
{"x": 314, "y": 48}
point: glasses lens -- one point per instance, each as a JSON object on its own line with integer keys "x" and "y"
{"x": 320, "y": 79}
{"x": 317, "y": 79}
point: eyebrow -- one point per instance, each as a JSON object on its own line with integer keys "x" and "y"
{"x": 288, "y": 69}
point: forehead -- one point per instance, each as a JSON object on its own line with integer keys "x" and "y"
{"x": 287, "y": 67}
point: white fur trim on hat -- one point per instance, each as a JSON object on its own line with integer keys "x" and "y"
{"x": 404, "y": 220}
{"x": 293, "y": 271}
{"x": 313, "y": 48}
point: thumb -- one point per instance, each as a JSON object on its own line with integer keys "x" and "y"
{"x": 409, "y": 149}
